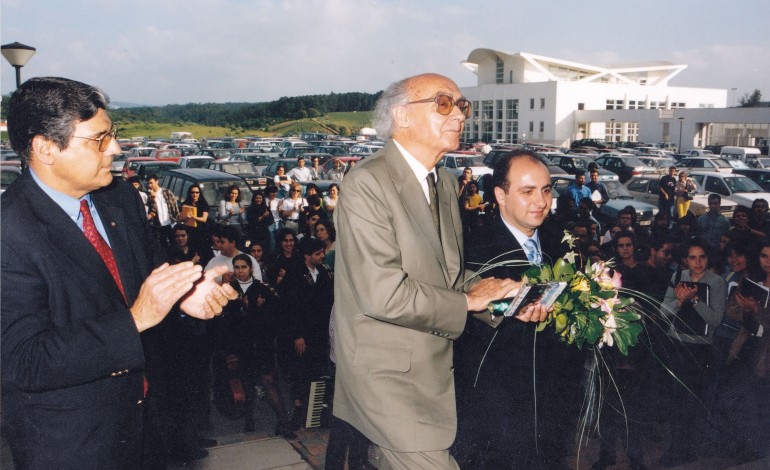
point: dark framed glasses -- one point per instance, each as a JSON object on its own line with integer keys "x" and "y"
{"x": 105, "y": 139}
{"x": 445, "y": 105}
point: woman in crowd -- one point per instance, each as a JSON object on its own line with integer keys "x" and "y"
{"x": 181, "y": 250}
{"x": 682, "y": 191}
{"x": 325, "y": 232}
{"x": 471, "y": 206}
{"x": 230, "y": 210}
{"x": 274, "y": 204}
{"x": 282, "y": 181}
{"x": 330, "y": 201}
{"x": 257, "y": 251}
{"x": 199, "y": 232}
{"x": 259, "y": 218}
{"x": 285, "y": 260}
{"x": 250, "y": 326}
{"x": 752, "y": 347}
{"x": 292, "y": 207}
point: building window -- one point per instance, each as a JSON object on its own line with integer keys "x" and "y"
{"x": 512, "y": 131}
{"x": 487, "y": 109}
{"x": 499, "y": 69}
{"x": 499, "y": 108}
{"x": 510, "y": 76}
{"x": 511, "y": 109}
{"x": 475, "y": 109}
{"x": 581, "y": 106}
{"x": 486, "y": 131}
{"x": 542, "y": 126}
{"x": 531, "y": 126}
{"x": 542, "y": 103}
{"x": 499, "y": 130}
{"x": 615, "y": 104}
{"x": 531, "y": 103}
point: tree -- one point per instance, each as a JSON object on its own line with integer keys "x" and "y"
{"x": 751, "y": 101}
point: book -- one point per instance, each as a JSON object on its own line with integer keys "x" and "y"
{"x": 545, "y": 293}
{"x": 190, "y": 211}
{"x": 758, "y": 292}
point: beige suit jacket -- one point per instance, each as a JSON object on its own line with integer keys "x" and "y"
{"x": 397, "y": 307}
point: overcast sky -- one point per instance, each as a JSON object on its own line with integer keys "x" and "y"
{"x": 180, "y": 51}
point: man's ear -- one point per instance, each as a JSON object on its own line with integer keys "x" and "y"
{"x": 43, "y": 150}
{"x": 400, "y": 117}
{"x": 500, "y": 196}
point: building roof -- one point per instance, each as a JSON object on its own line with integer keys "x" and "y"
{"x": 531, "y": 68}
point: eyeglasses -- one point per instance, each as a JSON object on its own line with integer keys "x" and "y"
{"x": 105, "y": 139}
{"x": 445, "y": 105}
{"x": 195, "y": 192}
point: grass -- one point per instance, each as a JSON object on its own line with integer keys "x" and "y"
{"x": 329, "y": 123}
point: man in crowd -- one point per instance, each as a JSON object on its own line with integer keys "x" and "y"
{"x": 308, "y": 295}
{"x": 494, "y": 356}
{"x": 712, "y": 225}
{"x": 227, "y": 243}
{"x": 760, "y": 226}
{"x": 578, "y": 190}
{"x": 666, "y": 187}
{"x": 162, "y": 210}
{"x": 463, "y": 180}
{"x": 300, "y": 173}
{"x": 72, "y": 314}
{"x": 596, "y": 186}
{"x": 399, "y": 279}
{"x": 336, "y": 172}
{"x": 315, "y": 169}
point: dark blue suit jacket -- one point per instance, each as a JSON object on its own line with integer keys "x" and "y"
{"x": 72, "y": 358}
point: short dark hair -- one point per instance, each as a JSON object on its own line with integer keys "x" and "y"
{"x": 229, "y": 232}
{"x": 50, "y": 107}
{"x": 699, "y": 243}
{"x": 760, "y": 200}
{"x": 657, "y": 241}
{"x": 626, "y": 234}
{"x": 134, "y": 179}
{"x": 715, "y": 196}
{"x": 329, "y": 225}
{"x": 183, "y": 227}
{"x": 310, "y": 245}
{"x": 742, "y": 210}
{"x": 243, "y": 257}
{"x": 152, "y": 177}
{"x": 503, "y": 166}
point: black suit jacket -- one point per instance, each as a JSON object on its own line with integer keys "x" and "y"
{"x": 72, "y": 358}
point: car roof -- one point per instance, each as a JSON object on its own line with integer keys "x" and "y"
{"x": 203, "y": 174}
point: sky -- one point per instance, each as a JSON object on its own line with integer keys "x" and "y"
{"x": 156, "y": 52}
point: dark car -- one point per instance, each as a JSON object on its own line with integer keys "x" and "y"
{"x": 8, "y": 174}
{"x": 244, "y": 169}
{"x": 296, "y": 151}
{"x": 572, "y": 164}
{"x": 619, "y": 198}
{"x": 625, "y": 167}
{"x": 214, "y": 153}
{"x": 334, "y": 150}
{"x": 760, "y": 176}
{"x": 287, "y": 163}
{"x": 213, "y": 185}
{"x": 491, "y": 158}
{"x": 595, "y": 143}
{"x": 157, "y": 168}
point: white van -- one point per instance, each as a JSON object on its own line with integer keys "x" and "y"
{"x": 744, "y": 154}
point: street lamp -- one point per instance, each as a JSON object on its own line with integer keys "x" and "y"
{"x": 733, "y": 89}
{"x": 679, "y": 149}
{"x": 17, "y": 55}
{"x": 612, "y": 130}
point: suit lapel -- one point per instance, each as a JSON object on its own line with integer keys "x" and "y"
{"x": 116, "y": 226}
{"x": 413, "y": 199}
{"x": 65, "y": 235}
{"x": 451, "y": 227}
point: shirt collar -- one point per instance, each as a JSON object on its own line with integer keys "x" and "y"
{"x": 69, "y": 204}
{"x": 419, "y": 170}
{"x": 521, "y": 237}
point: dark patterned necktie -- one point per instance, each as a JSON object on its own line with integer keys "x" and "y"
{"x": 101, "y": 246}
{"x": 433, "y": 193}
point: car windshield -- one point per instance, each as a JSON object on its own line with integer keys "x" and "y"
{"x": 462, "y": 162}
{"x": 763, "y": 162}
{"x": 616, "y": 190}
{"x": 239, "y": 168}
{"x": 718, "y": 162}
{"x": 581, "y": 163}
{"x": 198, "y": 163}
{"x": 633, "y": 161}
{"x": 214, "y": 191}
{"x": 742, "y": 184}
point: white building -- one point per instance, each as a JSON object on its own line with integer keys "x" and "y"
{"x": 525, "y": 97}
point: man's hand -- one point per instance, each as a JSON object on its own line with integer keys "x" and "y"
{"x": 208, "y": 297}
{"x": 488, "y": 290}
{"x": 299, "y": 346}
{"x": 160, "y": 291}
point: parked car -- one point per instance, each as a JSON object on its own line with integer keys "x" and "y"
{"x": 661, "y": 163}
{"x": 8, "y": 174}
{"x": 156, "y": 167}
{"x": 131, "y": 163}
{"x": 738, "y": 188}
{"x": 595, "y": 143}
{"x": 572, "y": 164}
{"x": 296, "y": 151}
{"x": 625, "y": 167}
{"x": 364, "y": 150}
{"x": 244, "y": 169}
{"x": 455, "y": 163}
{"x": 166, "y": 154}
{"x": 214, "y": 153}
{"x": 117, "y": 163}
{"x": 619, "y": 198}
{"x": 705, "y": 164}
{"x": 287, "y": 163}
{"x": 213, "y": 185}
{"x": 7, "y": 155}
{"x": 491, "y": 158}
{"x": 760, "y": 176}
{"x": 140, "y": 152}
{"x": 259, "y": 160}
{"x": 195, "y": 161}
{"x": 584, "y": 151}
{"x": 645, "y": 188}
{"x": 334, "y": 150}
{"x": 698, "y": 153}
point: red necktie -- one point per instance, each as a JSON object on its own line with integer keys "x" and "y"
{"x": 104, "y": 250}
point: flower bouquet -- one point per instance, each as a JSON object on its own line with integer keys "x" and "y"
{"x": 590, "y": 310}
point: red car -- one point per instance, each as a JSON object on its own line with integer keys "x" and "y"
{"x": 129, "y": 168}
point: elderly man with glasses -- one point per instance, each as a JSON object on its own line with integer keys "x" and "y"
{"x": 399, "y": 284}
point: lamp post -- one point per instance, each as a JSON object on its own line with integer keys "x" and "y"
{"x": 612, "y": 129}
{"x": 733, "y": 90}
{"x": 679, "y": 149}
{"x": 17, "y": 55}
